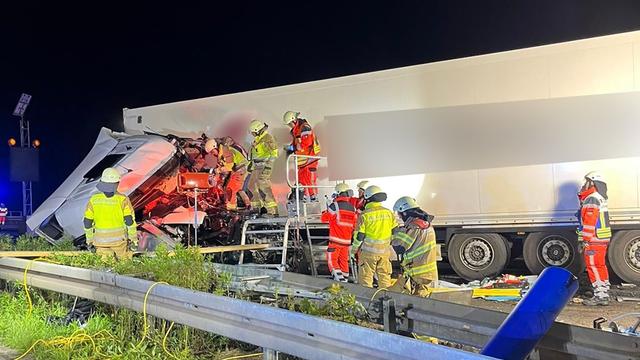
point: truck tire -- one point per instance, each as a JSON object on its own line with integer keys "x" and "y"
{"x": 624, "y": 255}
{"x": 541, "y": 249}
{"x": 476, "y": 256}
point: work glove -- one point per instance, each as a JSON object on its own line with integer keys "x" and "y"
{"x": 399, "y": 249}
{"x": 289, "y": 149}
{"x": 581, "y": 243}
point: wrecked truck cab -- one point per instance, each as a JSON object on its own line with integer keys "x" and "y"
{"x": 148, "y": 164}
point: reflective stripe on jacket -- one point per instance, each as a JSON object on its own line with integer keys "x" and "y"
{"x": 304, "y": 141}
{"x": 418, "y": 239}
{"x": 376, "y": 224}
{"x": 264, "y": 148}
{"x": 109, "y": 220}
{"x": 231, "y": 158}
{"x": 594, "y": 219}
{"x": 341, "y": 216}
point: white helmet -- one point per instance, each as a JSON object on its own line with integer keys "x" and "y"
{"x": 363, "y": 184}
{"x": 372, "y": 190}
{"x": 405, "y": 203}
{"x": 595, "y": 176}
{"x": 110, "y": 175}
{"x": 256, "y": 125}
{"x": 340, "y": 188}
{"x": 210, "y": 145}
{"x": 289, "y": 117}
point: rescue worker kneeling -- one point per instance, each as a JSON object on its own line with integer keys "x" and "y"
{"x": 373, "y": 239}
{"x": 416, "y": 242}
{"x": 341, "y": 216}
{"x": 109, "y": 222}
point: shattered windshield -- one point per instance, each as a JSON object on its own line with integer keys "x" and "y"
{"x": 108, "y": 161}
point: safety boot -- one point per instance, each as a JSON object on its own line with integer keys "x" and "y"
{"x": 596, "y": 301}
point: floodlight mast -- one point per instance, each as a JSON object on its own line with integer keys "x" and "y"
{"x": 25, "y": 141}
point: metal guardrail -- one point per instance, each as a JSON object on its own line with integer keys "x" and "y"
{"x": 474, "y": 326}
{"x": 271, "y": 328}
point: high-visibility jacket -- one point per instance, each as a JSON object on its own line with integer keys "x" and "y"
{"x": 594, "y": 217}
{"x": 341, "y": 216}
{"x": 109, "y": 220}
{"x": 264, "y": 148}
{"x": 374, "y": 229}
{"x": 418, "y": 239}
{"x": 231, "y": 159}
{"x": 304, "y": 142}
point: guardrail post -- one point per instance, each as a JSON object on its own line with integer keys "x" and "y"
{"x": 389, "y": 315}
{"x": 269, "y": 354}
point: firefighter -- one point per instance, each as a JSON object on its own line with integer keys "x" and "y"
{"x": 594, "y": 234}
{"x": 232, "y": 165}
{"x": 416, "y": 242}
{"x": 373, "y": 239}
{"x": 3, "y": 214}
{"x": 264, "y": 152}
{"x": 304, "y": 142}
{"x": 109, "y": 219}
{"x": 362, "y": 185}
{"x": 341, "y": 216}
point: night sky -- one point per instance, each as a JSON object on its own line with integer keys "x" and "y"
{"x": 84, "y": 62}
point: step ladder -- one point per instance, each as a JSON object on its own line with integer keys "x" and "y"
{"x": 279, "y": 231}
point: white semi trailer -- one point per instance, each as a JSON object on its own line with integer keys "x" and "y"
{"x": 494, "y": 145}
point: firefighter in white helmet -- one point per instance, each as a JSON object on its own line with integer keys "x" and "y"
{"x": 415, "y": 241}
{"x": 372, "y": 239}
{"x": 109, "y": 219}
{"x": 263, "y": 154}
{"x": 304, "y": 142}
{"x": 594, "y": 232}
{"x": 341, "y": 216}
{"x": 362, "y": 185}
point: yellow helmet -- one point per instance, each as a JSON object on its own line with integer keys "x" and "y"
{"x": 405, "y": 203}
{"x": 340, "y": 188}
{"x": 362, "y": 185}
{"x": 256, "y": 125}
{"x": 289, "y": 117}
{"x": 110, "y": 175}
{"x": 210, "y": 145}
{"x": 372, "y": 190}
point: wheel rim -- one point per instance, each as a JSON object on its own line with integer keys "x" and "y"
{"x": 476, "y": 253}
{"x": 632, "y": 254}
{"x": 555, "y": 251}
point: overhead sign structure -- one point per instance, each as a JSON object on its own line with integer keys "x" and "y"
{"x": 21, "y": 107}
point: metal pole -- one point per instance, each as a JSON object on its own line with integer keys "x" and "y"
{"x": 195, "y": 224}
{"x": 295, "y": 157}
{"x": 25, "y": 141}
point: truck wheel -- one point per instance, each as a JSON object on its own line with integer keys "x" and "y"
{"x": 624, "y": 255}
{"x": 552, "y": 249}
{"x": 476, "y": 256}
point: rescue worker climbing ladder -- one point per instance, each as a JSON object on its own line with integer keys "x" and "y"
{"x": 304, "y": 142}
{"x": 109, "y": 222}
{"x": 595, "y": 233}
{"x": 341, "y": 216}
{"x": 264, "y": 151}
{"x": 416, "y": 242}
{"x": 373, "y": 239}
